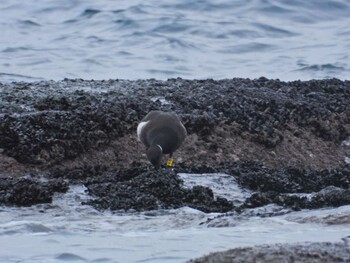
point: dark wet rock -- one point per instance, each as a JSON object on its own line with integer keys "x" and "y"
{"x": 151, "y": 190}
{"x": 330, "y": 196}
{"x": 58, "y": 133}
{"x": 287, "y": 180}
{"x": 274, "y": 137}
{"x": 77, "y": 174}
{"x": 273, "y": 186}
{"x": 307, "y": 252}
{"x": 300, "y": 123}
{"x": 29, "y": 191}
{"x": 69, "y": 257}
{"x": 257, "y": 177}
{"x": 199, "y": 168}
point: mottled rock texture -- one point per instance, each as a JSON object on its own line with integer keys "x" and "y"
{"x": 276, "y": 138}
{"x": 306, "y": 253}
{"x": 278, "y": 124}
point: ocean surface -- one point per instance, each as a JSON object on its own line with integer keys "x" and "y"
{"x": 67, "y": 231}
{"x": 108, "y": 39}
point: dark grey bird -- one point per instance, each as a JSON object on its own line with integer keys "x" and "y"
{"x": 161, "y": 133}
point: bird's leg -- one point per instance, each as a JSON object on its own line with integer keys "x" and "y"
{"x": 170, "y": 161}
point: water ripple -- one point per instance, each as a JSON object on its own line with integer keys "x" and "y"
{"x": 205, "y": 38}
{"x": 323, "y": 67}
{"x": 70, "y": 257}
{"x": 89, "y": 13}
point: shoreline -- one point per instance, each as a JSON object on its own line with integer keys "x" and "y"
{"x": 277, "y": 139}
{"x": 300, "y": 252}
{"x": 69, "y": 123}
{"x": 270, "y": 135}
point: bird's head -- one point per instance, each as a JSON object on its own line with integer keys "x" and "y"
{"x": 154, "y": 155}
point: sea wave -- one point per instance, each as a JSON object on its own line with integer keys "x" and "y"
{"x": 204, "y": 39}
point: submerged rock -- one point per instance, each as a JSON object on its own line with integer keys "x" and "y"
{"x": 329, "y": 197}
{"x": 309, "y": 252}
{"x": 287, "y": 180}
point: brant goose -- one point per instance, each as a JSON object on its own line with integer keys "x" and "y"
{"x": 161, "y": 133}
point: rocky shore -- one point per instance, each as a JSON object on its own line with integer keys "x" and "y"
{"x": 288, "y": 142}
{"x": 309, "y": 252}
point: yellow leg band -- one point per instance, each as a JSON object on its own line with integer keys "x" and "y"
{"x": 170, "y": 162}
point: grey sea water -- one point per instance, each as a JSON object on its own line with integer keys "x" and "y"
{"x": 285, "y": 39}
{"x": 153, "y": 39}
{"x": 67, "y": 231}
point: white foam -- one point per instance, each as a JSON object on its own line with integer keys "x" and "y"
{"x": 346, "y": 142}
{"x": 347, "y": 160}
{"x": 337, "y": 215}
{"x": 43, "y": 232}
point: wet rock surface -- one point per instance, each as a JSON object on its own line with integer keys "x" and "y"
{"x": 276, "y": 123}
{"x": 276, "y": 138}
{"x": 143, "y": 188}
{"x": 151, "y": 190}
{"x": 309, "y": 252}
{"x": 29, "y": 191}
{"x": 330, "y": 196}
{"x": 288, "y": 142}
